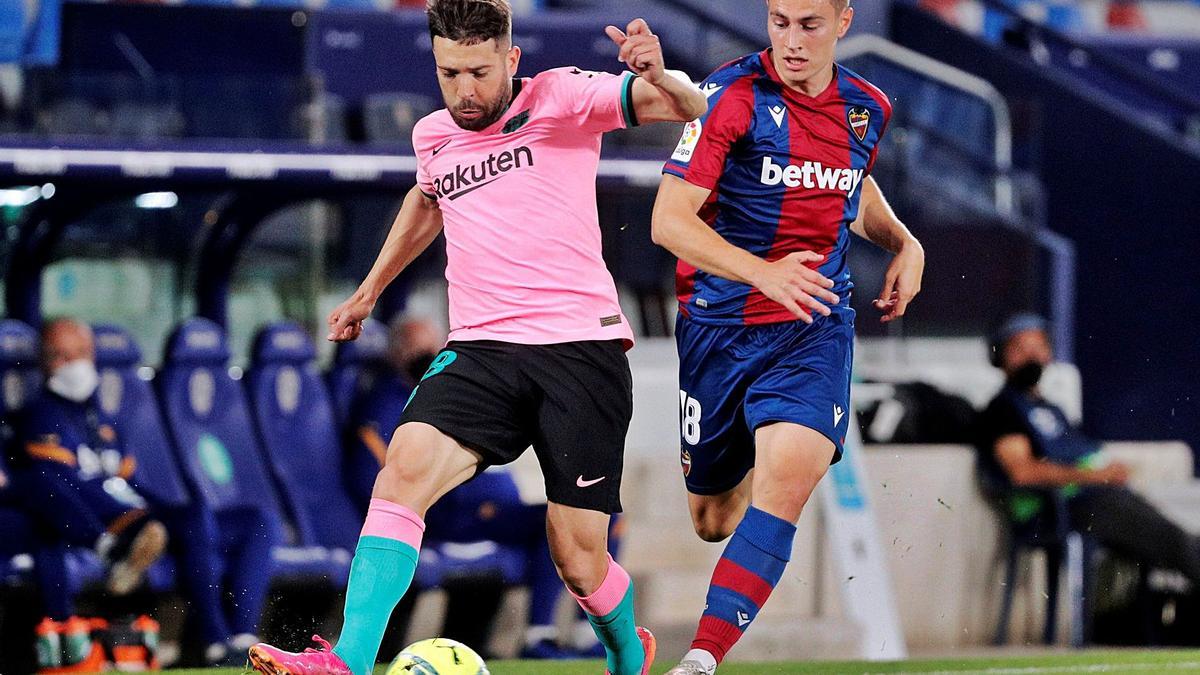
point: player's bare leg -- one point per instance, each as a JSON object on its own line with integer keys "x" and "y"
{"x": 579, "y": 546}
{"x": 789, "y": 462}
{"x": 422, "y": 464}
{"x": 715, "y": 517}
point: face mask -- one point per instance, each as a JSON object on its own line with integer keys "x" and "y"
{"x": 419, "y": 365}
{"x": 1027, "y": 376}
{"x": 76, "y": 381}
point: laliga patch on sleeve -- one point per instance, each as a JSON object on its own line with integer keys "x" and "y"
{"x": 688, "y": 142}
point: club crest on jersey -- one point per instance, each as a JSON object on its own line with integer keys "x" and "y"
{"x": 515, "y": 123}
{"x": 685, "y": 462}
{"x": 860, "y": 120}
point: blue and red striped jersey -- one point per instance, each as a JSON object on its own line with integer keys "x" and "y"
{"x": 786, "y": 173}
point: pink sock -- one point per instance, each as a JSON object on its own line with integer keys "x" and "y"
{"x": 612, "y": 590}
{"x": 389, "y": 520}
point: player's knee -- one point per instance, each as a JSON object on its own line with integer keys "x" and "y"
{"x": 404, "y": 469}
{"x": 391, "y": 479}
{"x": 582, "y": 572}
{"x": 785, "y": 496}
{"x": 713, "y": 532}
{"x": 712, "y": 525}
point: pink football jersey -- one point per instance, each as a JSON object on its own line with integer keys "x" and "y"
{"x": 518, "y": 200}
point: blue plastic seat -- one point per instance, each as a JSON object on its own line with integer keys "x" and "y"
{"x": 206, "y": 413}
{"x": 479, "y": 529}
{"x": 295, "y": 421}
{"x": 209, "y": 418}
{"x": 16, "y": 532}
{"x": 128, "y": 400}
{"x": 20, "y": 376}
{"x": 356, "y": 365}
{"x": 12, "y": 31}
{"x": 19, "y": 380}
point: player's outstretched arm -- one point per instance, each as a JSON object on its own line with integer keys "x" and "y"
{"x": 676, "y": 227}
{"x": 877, "y": 222}
{"x": 659, "y": 95}
{"x": 415, "y": 228}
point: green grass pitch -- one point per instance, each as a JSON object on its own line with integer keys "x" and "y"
{"x": 1124, "y": 661}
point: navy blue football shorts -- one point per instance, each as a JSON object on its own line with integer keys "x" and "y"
{"x": 735, "y": 379}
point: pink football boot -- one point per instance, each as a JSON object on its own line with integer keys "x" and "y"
{"x": 274, "y": 661}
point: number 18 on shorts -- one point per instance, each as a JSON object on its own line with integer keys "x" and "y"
{"x": 735, "y": 379}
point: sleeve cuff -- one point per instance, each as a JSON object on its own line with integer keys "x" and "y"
{"x": 690, "y": 177}
{"x": 627, "y": 111}
{"x": 675, "y": 170}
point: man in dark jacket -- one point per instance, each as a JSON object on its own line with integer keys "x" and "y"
{"x": 1029, "y": 443}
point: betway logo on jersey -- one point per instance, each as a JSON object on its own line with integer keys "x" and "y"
{"x": 471, "y": 177}
{"x": 811, "y": 175}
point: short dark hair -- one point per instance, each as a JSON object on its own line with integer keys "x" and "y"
{"x": 470, "y": 21}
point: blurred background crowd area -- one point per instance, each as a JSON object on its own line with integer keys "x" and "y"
{"x": 1045, "y": 152}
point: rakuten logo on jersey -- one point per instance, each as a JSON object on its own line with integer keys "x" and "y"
{"x": 469, "y": 178}
{"x": 811, "y": 175}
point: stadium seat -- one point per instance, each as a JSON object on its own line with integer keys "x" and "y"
{"x": 208, "y": 416}
{"x": 12, "y": 31}
{"x": 129, "y": 401}
{"x": 477, "y": 530}
{"x": 19, "y": 381}
{"x": 355, "y": 367}
{"x": 206, "y": 412}
{"x": 295, "y": 421}
{"x": 326, "y": 118}
{"x": 20, "y": 376}
{"x": 1050, "y": 533}
{"x": 16, "y": 531}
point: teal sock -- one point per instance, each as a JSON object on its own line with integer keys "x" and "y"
{"x": 617, "y": 631}
{"x": 379, "y": 577}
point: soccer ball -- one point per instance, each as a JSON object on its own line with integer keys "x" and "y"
{"x": 438, "y": 656}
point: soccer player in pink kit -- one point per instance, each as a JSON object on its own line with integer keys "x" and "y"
{"x": 536, "y": 354}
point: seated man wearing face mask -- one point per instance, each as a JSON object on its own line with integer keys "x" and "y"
{"x": 77, "y": 480}
{"x": 73, "y": 473}
{"x": 1029, "y": 442}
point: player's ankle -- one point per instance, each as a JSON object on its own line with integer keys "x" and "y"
{"x": 703, "y": 657}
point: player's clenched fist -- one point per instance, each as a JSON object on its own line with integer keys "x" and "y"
{"x": 346, "y": 322}
{"x": 640, "y": 49}
{"x": 791, "y": 283}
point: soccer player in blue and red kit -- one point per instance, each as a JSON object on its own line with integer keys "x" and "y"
{"x": 758, "y": 202}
